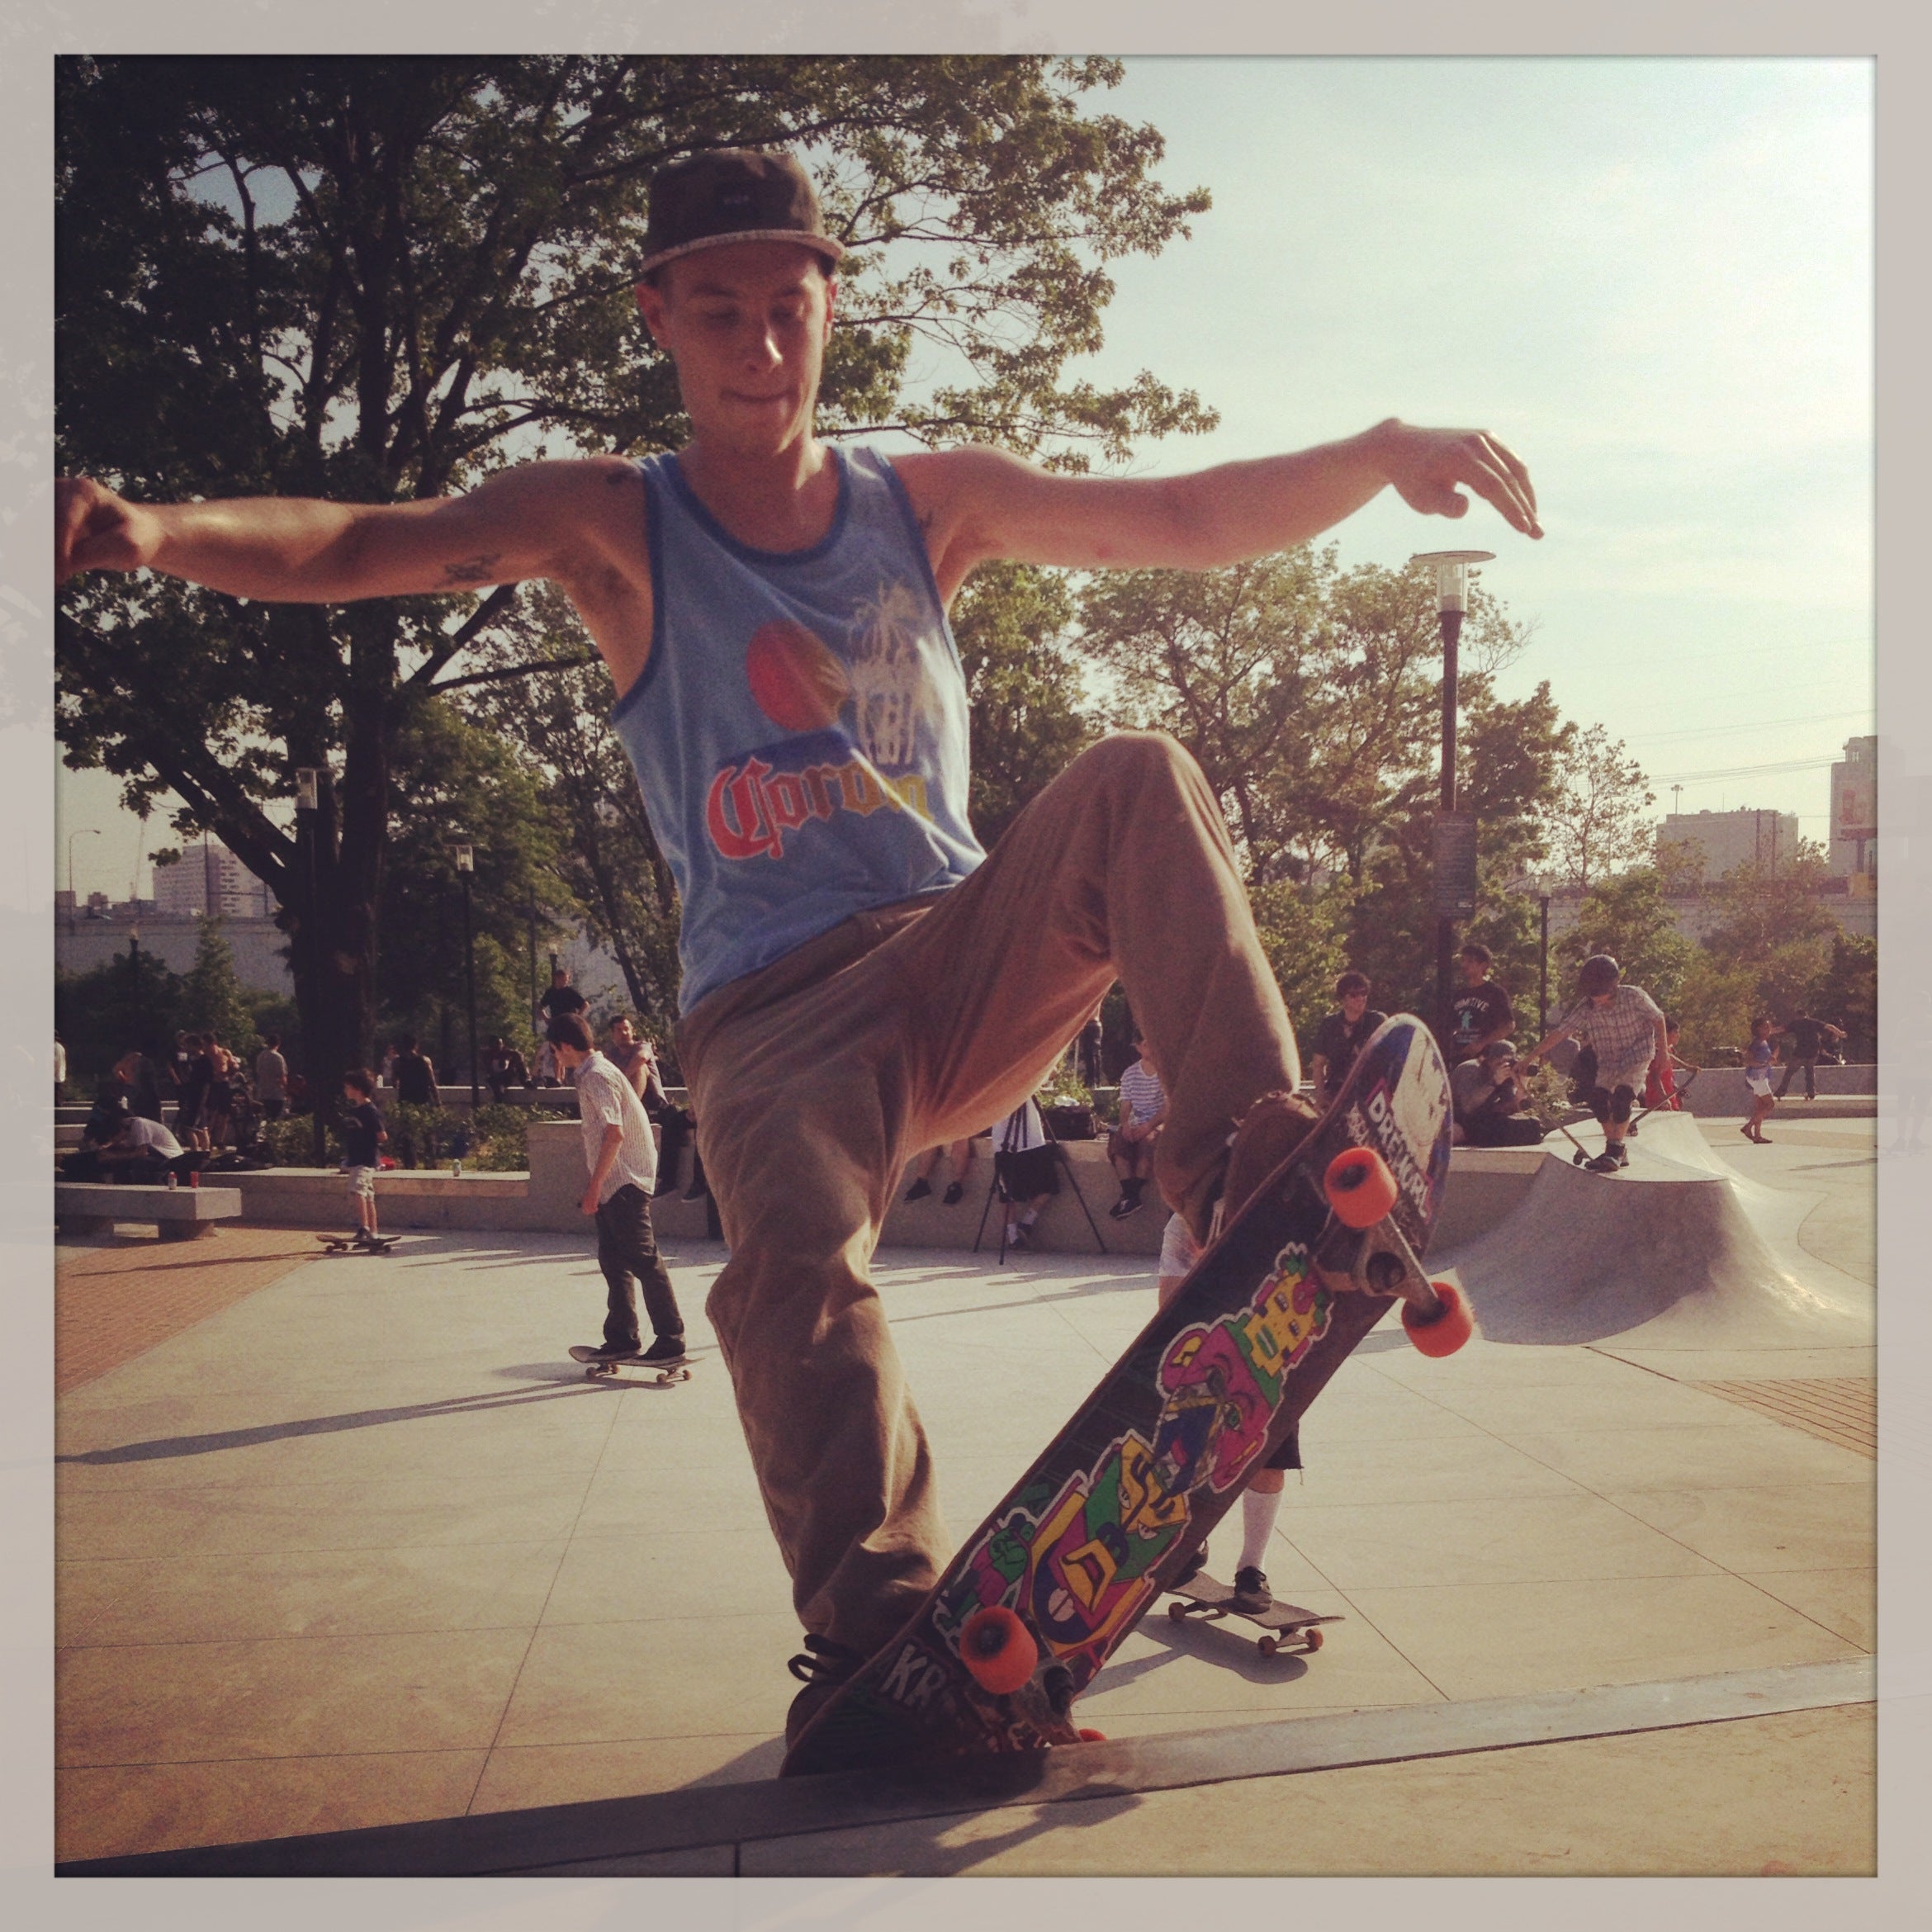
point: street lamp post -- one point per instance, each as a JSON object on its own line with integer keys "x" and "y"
{"x": 1455, "y": 868}
{"x": 466, "y": 865}
{"x": 87, "y": 831}
{"x": 308, "y": 809}
{"x": 1543, "y": 968}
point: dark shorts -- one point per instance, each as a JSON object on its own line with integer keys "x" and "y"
{"x": 1289, "y": 1455}
{"x": 1023, "y": 1175}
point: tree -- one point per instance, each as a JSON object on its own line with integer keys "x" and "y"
{"x": 1595, "y": 825}
{"x": 1024, "y": 679}
{"x": 463, "y": 785}
{"x": 100, "y": 1013}
{"x": 1847, "y": 993}
{"x": 377, "y": 279}
{"x": 1760, "y": 910}
{"x": 608, "y": 858}
{"x": 1627, "y": 917}
{"x": 1311, "y": 695}
{"x": 213, "y": 999}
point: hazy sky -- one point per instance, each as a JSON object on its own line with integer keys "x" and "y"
{"x": 1652, "y": 278}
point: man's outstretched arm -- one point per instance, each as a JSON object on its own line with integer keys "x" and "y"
{"x": 976, "y": 504}
{"x": 536, "y": 520}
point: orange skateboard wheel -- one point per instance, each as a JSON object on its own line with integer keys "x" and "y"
{"x": 1359, "y": 1187}
{"x": 1087, "y": 1736}
{"x": 1444, "y": 1334}
{"x": 998, "y": 1649}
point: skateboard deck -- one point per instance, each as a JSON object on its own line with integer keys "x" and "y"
{"x": 347, "y": 1244}
{"x": 1039, "y": 1596}
{"x": 1290, "y": 1627}
{"x": 599, "y": 1367}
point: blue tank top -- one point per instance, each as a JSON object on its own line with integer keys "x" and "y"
{"x": 799, "y": 732}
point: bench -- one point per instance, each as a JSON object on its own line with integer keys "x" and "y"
{"x": 178, "y": 1214}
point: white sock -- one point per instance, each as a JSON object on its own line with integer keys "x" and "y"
{"x": 1259, "y": 1512}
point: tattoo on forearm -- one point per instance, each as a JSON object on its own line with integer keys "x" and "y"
{"x": 475, "y": 570}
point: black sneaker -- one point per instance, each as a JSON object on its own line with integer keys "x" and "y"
{"x": 955, "y": 1192}
{"x": 1622, "y": 1155}
{"x": 664, "y": 1348}
{"x": 822, "y": 1667}
{"x": 1604, "y": 1163}
{"x": 1017, "y": 1237}
{"x": 919, "y": 1190}
{"x": 1128, "y": 1203}
{"x": 1251, "y": 1591}
{"x": 614, "y": 1351}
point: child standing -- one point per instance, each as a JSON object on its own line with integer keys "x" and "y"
{"x": 1759, "y": 1057}
{"x": 362, "y": 1132}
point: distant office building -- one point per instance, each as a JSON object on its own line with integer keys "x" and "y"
{"x": 1726, "y": 839}
{"x": 208, "y": 879}
{"x": 1854, "y": 810}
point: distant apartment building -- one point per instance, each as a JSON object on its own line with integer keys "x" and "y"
{"x": 1853, "y": 847}
{"x": 1725, "y": 840}
{"x": 208, "y": 879}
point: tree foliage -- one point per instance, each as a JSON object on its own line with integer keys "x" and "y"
{"x": 1597, "y": 823}
{"x": 606, "y": 854}
{"x": 376, "y": 280}
{"x": 1025, "y": 686}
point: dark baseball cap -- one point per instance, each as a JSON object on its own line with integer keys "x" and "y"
{"x": 728, "y": 195}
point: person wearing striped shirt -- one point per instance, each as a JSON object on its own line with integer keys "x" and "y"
{"x": 1130, "y": 1147}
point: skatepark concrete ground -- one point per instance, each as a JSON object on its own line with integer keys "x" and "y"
{"x": 350, "y": 1543}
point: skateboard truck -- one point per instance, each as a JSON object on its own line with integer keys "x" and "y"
{"x": 1363, "y": 1245}
{"x": 597, "y": 1367}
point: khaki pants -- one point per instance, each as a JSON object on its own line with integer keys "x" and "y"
{"x": 815, "y": 1078}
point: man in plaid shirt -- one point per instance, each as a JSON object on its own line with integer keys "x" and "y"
{"x": 1627, "y": 1027}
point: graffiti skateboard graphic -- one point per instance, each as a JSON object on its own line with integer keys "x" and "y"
{"x": 1042, "y": 1593}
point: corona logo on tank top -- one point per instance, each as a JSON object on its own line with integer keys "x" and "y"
{"x": 799, "y": 730}
{"x": 856, "y": 720}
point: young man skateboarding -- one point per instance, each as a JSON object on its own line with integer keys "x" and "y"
{"x": 860, "y": 980}
{"x": 622, "y": 1159}
{"x": 1624, "y": 1028}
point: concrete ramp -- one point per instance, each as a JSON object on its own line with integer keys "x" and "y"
{"x": 1678, "y": 1251}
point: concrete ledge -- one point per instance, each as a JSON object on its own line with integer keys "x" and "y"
{"x": 178, "y": 1214}
{"x": 1485, "y": 1185}
{"x": 608, "y": 1835}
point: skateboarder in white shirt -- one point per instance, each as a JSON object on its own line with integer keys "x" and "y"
{"x": 622, "y": 1157}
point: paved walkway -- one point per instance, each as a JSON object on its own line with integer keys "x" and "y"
{"x": 353, "y": 1544}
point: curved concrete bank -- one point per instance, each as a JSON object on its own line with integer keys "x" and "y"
{"x": 1678, "y": 1251}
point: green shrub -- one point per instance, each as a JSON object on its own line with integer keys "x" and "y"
{"x": 417, "y": 1136}
{"x": 499, "y": 1141}
{"x": 291, "y": 1143}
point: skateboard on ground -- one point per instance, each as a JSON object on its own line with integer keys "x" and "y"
{"x": 348, "y": 1243}
{"x": 1039, "y": 1597}
{"x": 1290, "y": 1627}
{"x": 597, "y": 1367}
